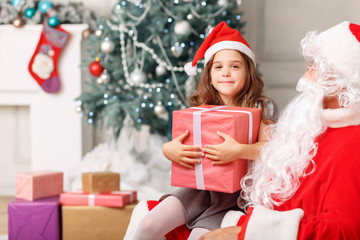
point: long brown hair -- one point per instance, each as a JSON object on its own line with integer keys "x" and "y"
{"x": 249, "y": 96}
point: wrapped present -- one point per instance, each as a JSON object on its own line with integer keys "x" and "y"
{"x": 39, "y": 184}
{"x": 100, "y": 182}
{"x": 39, "y": 219}
{"x": 95, "y": 222}
{"x": 112, "y": 199}
{"x": 203, "y": 122}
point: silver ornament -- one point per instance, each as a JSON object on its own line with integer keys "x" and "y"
{"x": 208, "y": 29}
{"x": 177, "y": 50}
{"x": 183, "y": 27}
{"x": 159, "y": 109}
{"x": 78, "y": 109}
{"x": 190, "y": 17}
{"x": 98, "y": 33}
{"x": 104, "y": 77}
{"x": 222, "y": 2}
{"x": 137, "y": 76}
{"x": 107, "y": 46}
{"x": 160, "y": 70}
{"x": 238, "y": 2}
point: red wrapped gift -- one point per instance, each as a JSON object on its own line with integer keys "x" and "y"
{"x": 112, "y": 199}
{"x": 203, "y": 122}
{"x": 38, "y": 184}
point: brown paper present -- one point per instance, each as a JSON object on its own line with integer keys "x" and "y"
{"x": 100, "y": 182}
{"x": 95, "y": 222}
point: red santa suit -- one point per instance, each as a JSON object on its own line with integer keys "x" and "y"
{"x": 326, "y": 205}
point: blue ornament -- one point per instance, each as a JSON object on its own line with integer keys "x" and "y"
{"x": 30, "y": 12}
{"x": 16, "y": 2}
{"x": 54, "y": 21}
{"x": 44, "y": 6}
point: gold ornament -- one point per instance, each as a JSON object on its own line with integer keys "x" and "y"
{"x": 86, "y": 33}
{"x": 18, "y": 22}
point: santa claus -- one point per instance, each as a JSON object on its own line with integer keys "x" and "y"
{"x": 306, "y": 184}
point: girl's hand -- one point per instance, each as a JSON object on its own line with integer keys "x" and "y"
{"x": 182, "y": 154}
{"x": 228, "y": 233}
{"x": 223, "y": 153}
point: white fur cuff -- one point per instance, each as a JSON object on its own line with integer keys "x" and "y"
{"x": 269, "y": 224}
{"x": 231, "y": 218}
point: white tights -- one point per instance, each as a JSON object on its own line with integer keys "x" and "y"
{"x": 163, "y": 218}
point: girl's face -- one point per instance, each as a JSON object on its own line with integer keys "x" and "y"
{"x": 228, "y": 74}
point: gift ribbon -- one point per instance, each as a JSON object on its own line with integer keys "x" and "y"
{"x": 91, "y": 199}
{"x": 199, "y": 172}
{"x": 132, "y": 195}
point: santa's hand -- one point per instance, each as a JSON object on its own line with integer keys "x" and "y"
{"x": 185, "y": 155}
{"x": 229, "y": 233}
{"x": 223, "y": 153}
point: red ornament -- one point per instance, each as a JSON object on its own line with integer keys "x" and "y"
{"x": 95, "y": 68}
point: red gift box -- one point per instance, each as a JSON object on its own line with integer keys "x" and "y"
{"x": 38, "y": 184}
{"x": 203, "y": 122}
{"x": 112, "y": 199}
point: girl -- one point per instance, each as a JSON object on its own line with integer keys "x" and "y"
{"x": 228, "y": 78}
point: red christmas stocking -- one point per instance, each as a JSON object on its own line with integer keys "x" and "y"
{"x": 43, "y": 65}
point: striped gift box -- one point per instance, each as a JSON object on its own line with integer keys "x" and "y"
{"x": 39, "y": 184}
{"x": 111, "y": 199}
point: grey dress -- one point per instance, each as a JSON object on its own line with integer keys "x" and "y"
{"x": 205, "y": 209}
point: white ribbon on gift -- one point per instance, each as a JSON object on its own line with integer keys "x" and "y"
{"x": 199, "y": 171}
{"x": 132, "y": 194}
{"x": 91, "y": 199}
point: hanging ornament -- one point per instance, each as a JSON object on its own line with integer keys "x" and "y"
{"x": 222, "y": 2}
{"x": 208, "y": 30}
{"x": 137, "y": 76}
{"x": 159, "y": 109}
{"x": 53, "y": 21}
{"x": 95, "y": 68}
{"x": 160, "y": 70}
{"x": 15, "y": 2}
{"x": 44, "y": 6}
{"x": 30, "y": 12}
{"x": 176, "y": 50}
{"x": 18, "y": 22}
{"x": 183, "y": 27}
{"x": 86, "y": 33}
{"x": 107, "y": 46}
{"x": 238, "y": 2}
{"x": 98, "y": 33}
{"x": 104, "y": 77}
{"x": 78, "y": 109}
{"x": 190, "y": 17}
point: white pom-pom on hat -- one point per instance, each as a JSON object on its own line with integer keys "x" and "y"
{"x": 220, "y": 38}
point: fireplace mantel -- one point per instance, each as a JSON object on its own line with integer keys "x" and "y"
{"x": 59, "y": 137}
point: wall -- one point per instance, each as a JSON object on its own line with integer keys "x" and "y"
{"x": 275, "y": 28}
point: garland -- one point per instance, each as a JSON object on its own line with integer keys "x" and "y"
{"x": 21, "y": 12}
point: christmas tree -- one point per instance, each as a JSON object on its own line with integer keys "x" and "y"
{"x": 137, "y": 58}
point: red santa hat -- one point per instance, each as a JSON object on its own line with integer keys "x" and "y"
{"x": 340, "y": 45}
{"x": 221, "y": 37}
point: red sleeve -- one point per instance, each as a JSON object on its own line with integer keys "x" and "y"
{"x": 243, "y": 221}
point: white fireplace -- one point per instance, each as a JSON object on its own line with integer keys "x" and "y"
{"x": 39, "y": 130}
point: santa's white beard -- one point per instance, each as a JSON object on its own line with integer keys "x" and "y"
{"x": 274, "y": 178}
